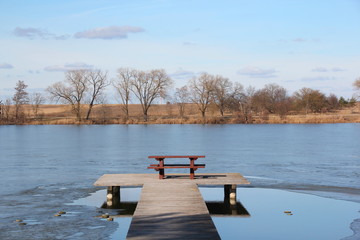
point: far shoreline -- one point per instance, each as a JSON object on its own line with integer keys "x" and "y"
{"x": 169, "y": 114}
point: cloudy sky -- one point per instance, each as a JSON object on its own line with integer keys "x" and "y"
{"x": 294, "y": 43}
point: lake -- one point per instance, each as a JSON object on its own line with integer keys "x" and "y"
{"x": 46, "y": 168}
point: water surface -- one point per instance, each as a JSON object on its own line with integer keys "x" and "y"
{"x": 46, "y": 167}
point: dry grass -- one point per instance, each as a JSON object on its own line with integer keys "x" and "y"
{"x": 169, "y": 114}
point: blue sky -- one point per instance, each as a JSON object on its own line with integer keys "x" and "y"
{"x": 295, "y": 44}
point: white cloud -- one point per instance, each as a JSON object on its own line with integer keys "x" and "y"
{"x": 299, "y": 40}
{"x": 323, "y": 69}
{"x": 320, "y": 69}
{"x": 32, "y": 33}
{"x": 34, "y": 71}
{"x": 256, "y": 72}
{"x": 68, "y": 67}
{"x": 189, "y": 44}
{"x": 182, "y": 74}
{"x": 318, "y": 78}
{"x": 112, "y": 32}
{"x": 6, "y": 66}
{"x": 337, "y": 69}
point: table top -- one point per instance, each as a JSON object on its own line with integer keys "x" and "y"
{"x": 171, "y": 156}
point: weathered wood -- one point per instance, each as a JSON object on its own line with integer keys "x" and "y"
{"x": 219, "y": 179}
{"x": 162, "y": 166}
{"x": 172, "y": 208}
{"x": 112, "y": 196}
{"x": 230, "y": 194}
{"x": 171, "y": 211}
{"x": 176, "y": 166}
{"x": 171, "y": 156}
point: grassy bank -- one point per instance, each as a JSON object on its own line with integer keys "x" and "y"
{"x": 169, "y": 114}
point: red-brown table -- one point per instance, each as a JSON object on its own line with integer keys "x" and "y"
{"x": 161, "y": 165}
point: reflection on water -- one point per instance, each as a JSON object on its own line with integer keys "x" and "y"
{"x": 225, "y": 208}
{"x": 125, "y": 207}
{"x": 215, "y": 208}
{"x": 310, "y": 219}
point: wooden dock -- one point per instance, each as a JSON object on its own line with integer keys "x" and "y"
{"x": 172, "y": 208}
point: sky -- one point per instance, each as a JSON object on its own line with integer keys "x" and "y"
{"x": 293, "y": 43}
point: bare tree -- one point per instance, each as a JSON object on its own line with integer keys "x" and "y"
{"x": 222, "y": 92}
{"x": 356, "y": 85}
{"x": 80, "y": 85}
{"x": 241, "y": 102}
{"x": 72, "y": 91}
{"x": 1, "y": 110}
{"x": 247, "y": 104}
{"x": 104, "y": 110}
{"x": 201, "y": 90}
{"x": 279, "y": 100}
{"x": 310, "y": 100}
{"x": 20, "y": 98}
{"x": 36, "y": 99}
{"x": 317, "y": 101}
{"x": 272, "y": 98}
{"x": 123, "y": 87}
{"x": 7, "y": 109}
{"x": 236, "y": 98}
{"x": 302, "y": 98}
{"x": 181, "y": 99}
{"x": 332, "y": 102}
{"x": 96, "y": 83}
{"x": 148, "y": 86}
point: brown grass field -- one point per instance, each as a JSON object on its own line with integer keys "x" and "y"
{"x": 169, "y": 114}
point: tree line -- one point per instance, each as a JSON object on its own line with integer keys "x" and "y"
{"x": 83, "y": 89}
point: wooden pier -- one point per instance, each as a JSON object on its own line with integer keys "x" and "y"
{"x": 171, "y": 208}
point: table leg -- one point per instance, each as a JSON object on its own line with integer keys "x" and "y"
{"x": 192, "y": 173}
{"x": 161, "y": 171}
{"x": 192, "y": 168}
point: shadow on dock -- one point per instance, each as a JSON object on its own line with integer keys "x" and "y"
{"x": 187, "y": 226}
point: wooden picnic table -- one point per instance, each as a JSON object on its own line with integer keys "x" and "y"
{"x": 161, "y": 164}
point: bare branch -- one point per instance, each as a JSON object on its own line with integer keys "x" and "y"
{"x": 71, "y": 92}
{"x": 123, "y": 87}
{"x": 222, "y": 92}
{"x": 36, "y": 99}
{"x": 20, "y": 98}
{"x": 202, "y": 89}
{"x": 148, "y": 86}
{"x": 182, "y": 98}
{"x": 97, "y": 82}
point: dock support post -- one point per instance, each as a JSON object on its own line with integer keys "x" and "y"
{"x": 230, "y": 194}
{"x": 113, "y": 196}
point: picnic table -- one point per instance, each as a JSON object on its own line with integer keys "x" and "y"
{"x": 161, "y": 166}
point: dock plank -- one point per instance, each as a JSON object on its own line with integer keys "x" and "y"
{"x": 200, "y": 179}
{"x": 171, "y": 211}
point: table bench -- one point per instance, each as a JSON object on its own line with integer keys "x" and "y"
{"x": 161, "y": 166}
